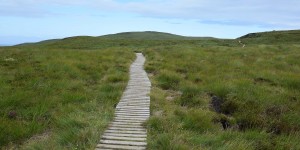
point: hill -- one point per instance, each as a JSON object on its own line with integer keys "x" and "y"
{"x": 150, "y": 38}
{"x": 272, "y": 37}
{"x": 124, "y": 38}
{"x": 150, "y": 35}
{"x": 134, "y": 38}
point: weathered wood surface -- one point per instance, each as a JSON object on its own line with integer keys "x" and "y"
{"x": 126, "y": 131}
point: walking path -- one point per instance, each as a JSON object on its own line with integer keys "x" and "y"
{"x": 126, "y": 131}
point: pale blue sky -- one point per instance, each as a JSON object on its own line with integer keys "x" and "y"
{"x": 35, "y": 20}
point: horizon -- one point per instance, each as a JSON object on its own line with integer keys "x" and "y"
{"x": 32, "y": 21}
{"x": 5, "y": 44}
{"x": 34, "y": 40}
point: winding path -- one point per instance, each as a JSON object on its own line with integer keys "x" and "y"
{"x": 126, "y": 131}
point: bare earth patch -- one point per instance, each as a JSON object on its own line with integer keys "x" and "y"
{"x": 173, "y": 94}
{"x": 39, "y": 137}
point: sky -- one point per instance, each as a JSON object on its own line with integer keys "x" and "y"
{"x": 35, "y": 20}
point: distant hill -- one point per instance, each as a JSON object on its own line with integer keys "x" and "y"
{"x": 120, "y": 39}
{"x": 272, "y": 37}
{"x": 150, "y": 35}
{"x": 144, "y": 39}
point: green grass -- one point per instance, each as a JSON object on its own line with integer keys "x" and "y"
{"x": 272, "y": 37}
{"x": 61, "y": 99}
{"x": 259, "y": 86}
{"x": 61, "y": 94}
{"x": 151, "y": 35}
{"x": 133, "y": 40}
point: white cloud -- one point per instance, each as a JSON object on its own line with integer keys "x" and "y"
{"x": 255, "y": 11}
{"x": 251, "y": 12}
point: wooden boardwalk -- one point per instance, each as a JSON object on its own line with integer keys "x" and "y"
{"x": 126, "y": 131}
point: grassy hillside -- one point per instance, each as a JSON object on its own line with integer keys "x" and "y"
{"x": 150, "y": 35}
{"x": 144, "y": 36}
{"x": 207, "y": 93}
{"x": 128, "y": 39}
{"x": 151, "y": 38}
{"x": 273, "y": 37}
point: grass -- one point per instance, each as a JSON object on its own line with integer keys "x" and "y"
{"x": 272, "y": 37}
{"x": 59, "y": 99}
{"x": 207, "y": 93}
{"x": 151, "y": 35}
{"x": 258, "y": 88}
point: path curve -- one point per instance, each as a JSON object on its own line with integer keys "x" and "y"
{"x": 126, "y": 131}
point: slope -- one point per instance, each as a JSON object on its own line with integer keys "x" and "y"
{"x": 272, "y": 37}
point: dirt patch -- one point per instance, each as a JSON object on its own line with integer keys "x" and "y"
{"x": 158, "y": 113}
{"x": 216, "y": 103}
{"x": 34, "y": 139}
{"x": 169, "y": 98}
{"x": 39, "y": 137}
{"x": 172, "y": 95}
{"x": 150, "y": 75}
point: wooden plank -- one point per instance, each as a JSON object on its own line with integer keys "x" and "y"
{"x": 126, "y": 126}
{"x": 127, "y": 129}
{"x": 126, "y": 132}
{"x": 126, "y": 135}
{"x": 132, "y": 115}
{"x": 129, "y": 120}
{"x": 127, "y": 123}
{"x": 125, "y": 147}
{"x": 133, "y": 112}
{"x": 107, "y": 137}
{"x": 117, "y": 142}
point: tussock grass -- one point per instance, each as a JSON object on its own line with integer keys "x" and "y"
{"x": 59, "y": 99}
{"x": 258, "y": 86}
